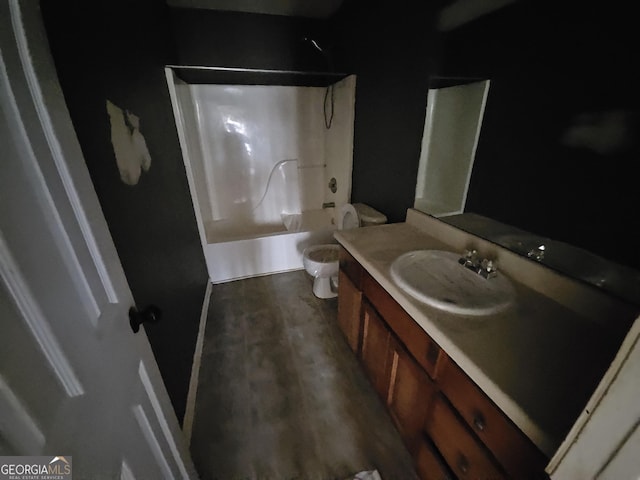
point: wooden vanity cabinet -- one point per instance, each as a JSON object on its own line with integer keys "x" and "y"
{"x": 450, "y": 426}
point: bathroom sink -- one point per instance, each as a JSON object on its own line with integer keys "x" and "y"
{"x": 436, "y": 278}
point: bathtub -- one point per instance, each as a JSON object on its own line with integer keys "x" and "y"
{"x": 236, "y": 250}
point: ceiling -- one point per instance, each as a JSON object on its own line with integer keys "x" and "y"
{"x": 296, "y": 8}
{"x": 456, "y": 13}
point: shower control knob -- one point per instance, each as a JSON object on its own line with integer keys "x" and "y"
{"x": 333, "y": 185}
{"x": 151, "y": 314}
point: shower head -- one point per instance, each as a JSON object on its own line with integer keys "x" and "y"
{"x": 315, "y": 44}
{"x": 325, "y": 53}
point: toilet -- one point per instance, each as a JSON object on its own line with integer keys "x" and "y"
{"x": 321, "y": 261}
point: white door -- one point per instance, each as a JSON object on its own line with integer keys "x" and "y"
{"x": 74, "y": 378}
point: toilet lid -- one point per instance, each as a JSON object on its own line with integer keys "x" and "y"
{"x": 369, "y": 215}
{"x": 348, "y": 217}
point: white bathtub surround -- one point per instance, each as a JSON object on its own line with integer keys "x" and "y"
{"x": 241, "y": 133}
{"x": 252, "y": 254}
{"x": 259, "y": 160}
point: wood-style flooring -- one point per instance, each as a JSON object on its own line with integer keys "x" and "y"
{"x": 281, "y": 395}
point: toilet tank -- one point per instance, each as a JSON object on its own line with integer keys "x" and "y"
{"x": 368, "y": 215}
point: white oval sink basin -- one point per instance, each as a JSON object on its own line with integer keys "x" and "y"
{"x": 436, "y": 278}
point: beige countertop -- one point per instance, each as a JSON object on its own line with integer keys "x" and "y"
{"x": 540, "y": 359}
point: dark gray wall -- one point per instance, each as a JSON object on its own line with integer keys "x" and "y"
{"x": 116, "y": 50}
{"x": 230, "y": 39}
{"x": 550, "y": 62}
{"x": 392, "y": 49}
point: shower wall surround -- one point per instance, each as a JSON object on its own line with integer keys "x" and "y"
{"x": 259, "y": 160}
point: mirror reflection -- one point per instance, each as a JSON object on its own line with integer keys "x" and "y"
{"x": 557, "y": 148}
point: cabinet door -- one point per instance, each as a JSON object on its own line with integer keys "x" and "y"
{"x": 409, "y": 395}
{"x": 349, "y": 310}
{"x": 375, "y": 349}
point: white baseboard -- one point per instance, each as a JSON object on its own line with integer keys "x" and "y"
{"x": 187, "y": 424}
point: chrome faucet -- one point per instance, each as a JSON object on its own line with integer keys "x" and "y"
{"x": 484, "y": 267}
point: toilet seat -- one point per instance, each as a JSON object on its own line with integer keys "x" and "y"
{"x": 348, "y": 217}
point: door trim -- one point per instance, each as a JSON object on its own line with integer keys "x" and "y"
{"x": 189, "y": 414}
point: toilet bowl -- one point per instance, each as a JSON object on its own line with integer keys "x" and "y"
{"x": 321, "y": 261}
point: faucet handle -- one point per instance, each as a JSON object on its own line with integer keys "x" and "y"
{"x": 488, "y": 268}
{"x": 471, "y": 255}
{"x": 489, "y": 265}
{"x": 469, "y": 258}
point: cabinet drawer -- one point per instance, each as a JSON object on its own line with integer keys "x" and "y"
{"x": 515, "y": 452}
{"x": 429, "y": 463}
{"x": 422, "y": 347}
{"x": 351, "y": 267}
{"x": 464, "y": 454}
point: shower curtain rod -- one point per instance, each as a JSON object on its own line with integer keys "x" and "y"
{"x": 254, "y": 76}
{"x": 253, "y": 70}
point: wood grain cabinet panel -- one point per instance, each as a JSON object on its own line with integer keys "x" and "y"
{"x": 429, "y": 463}
{"x": 351, "y": 267}
{"x": 409, "y": 395}
{"x": 375, "y": 352}
{"x": 464, "y": 454}
{"x": 422, "y": 347}
{"x": 349, "y": 310}
{"x": 515, "y": 452}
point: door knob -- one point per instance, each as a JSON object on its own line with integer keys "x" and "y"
{"x": 151, "y": 314}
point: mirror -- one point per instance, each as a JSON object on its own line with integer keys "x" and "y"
{"x": 559, "y": 141}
